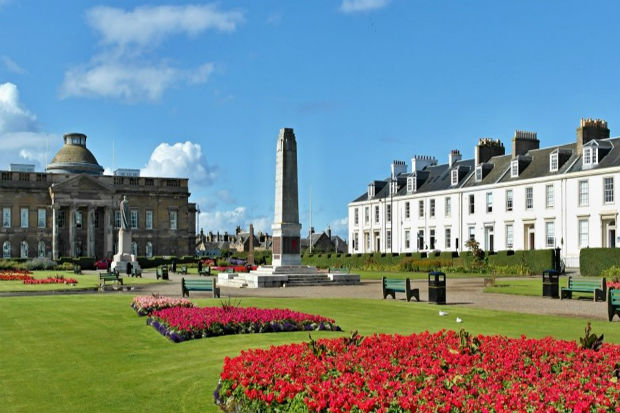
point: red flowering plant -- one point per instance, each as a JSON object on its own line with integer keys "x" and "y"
{"x": 441, "y": 372}
{"x": 180, "y": 324}
{"x": 59, "y": 279}
{"x": 15, "y": 277}
{"x": 145, "y": 305}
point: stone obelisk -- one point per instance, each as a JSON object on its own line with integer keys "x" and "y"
{"x": 286, "y": 227}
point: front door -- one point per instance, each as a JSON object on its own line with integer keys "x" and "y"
{"x": 488, "y": 238}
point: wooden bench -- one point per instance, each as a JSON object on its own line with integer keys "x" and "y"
{"x": 391, "y": 286}
{"x": 162, "y": 272}
{"x": 199, "y": 285}
{"x": 136, "y": 272}
{"x": 109, "y": 276}
{"x": 205, "y": 272}
{"x": 182, "y": 270}
{"x": 597, "y": 287}
{"x": 343, "y": 270}
{"x": 613, "y": 303}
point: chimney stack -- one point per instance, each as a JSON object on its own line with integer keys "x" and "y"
{"x": 419, "y": 162}
{"x": 591, "y": 129}
{"x": 329, "y": 232}
{"x": 398, "y": 167}
{"x": 524, "y": 141}
{"x": 455, "y": 155}
{"x": 486, "y": 149}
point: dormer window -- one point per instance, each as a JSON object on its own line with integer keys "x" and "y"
{"x": 371, "y": 191}
{"x": 553, "y": 161}
{"x": 409, "y": 184}
{"x": 590, "y": 157}
{"x": 454, "y": 175}
{"x": 394, "y": 188}
{"x": 478, "y": 173}
{"x": 514, "y": 168}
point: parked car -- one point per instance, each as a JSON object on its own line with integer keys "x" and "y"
{"x": 102, "y": 264}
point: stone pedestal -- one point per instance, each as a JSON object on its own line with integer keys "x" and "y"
{"x": 124, "y": 255}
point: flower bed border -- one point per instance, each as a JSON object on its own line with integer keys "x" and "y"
{"x": 312, "y": 323}
{"x": 439, "y": 372}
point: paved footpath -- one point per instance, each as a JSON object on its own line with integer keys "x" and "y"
{"x": 460, "y": 291}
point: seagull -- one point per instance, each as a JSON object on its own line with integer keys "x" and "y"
{"x": 443, "y": 313}
{"x": 458, "y": 320}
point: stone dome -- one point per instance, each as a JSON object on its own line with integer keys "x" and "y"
{"x": 74, "y": 157}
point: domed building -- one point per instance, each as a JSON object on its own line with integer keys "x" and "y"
{"x": 74, "y": 157}
{"x": 72, "y": 209}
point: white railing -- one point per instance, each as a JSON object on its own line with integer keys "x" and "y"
{"x": 571, "y": 261}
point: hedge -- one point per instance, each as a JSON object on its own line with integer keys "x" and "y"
{"x": 536, "y": 260}
{"x": 592, "y": 261}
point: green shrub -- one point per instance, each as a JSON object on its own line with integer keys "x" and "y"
{"x": 612, "y": 273}
{"x": 593, "y": 261}
{"x": 65, "y": 266}
{"x": 518, "y": 269}
{"x": 40, "y": 264}
{"x": 424, "y": 265}
{"x": 8, "y": 264}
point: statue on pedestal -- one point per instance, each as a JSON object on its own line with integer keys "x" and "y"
{"x": 124, "y": 260}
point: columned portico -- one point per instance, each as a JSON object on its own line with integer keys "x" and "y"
{"x": 54, "y": 232}
{"x": 90, "y": 235}
{"x": 71, "y": 231}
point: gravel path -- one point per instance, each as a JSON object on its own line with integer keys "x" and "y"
{"x": 463, "y": 291}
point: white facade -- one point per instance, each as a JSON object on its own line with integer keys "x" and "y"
{"x": 570, "y": 207}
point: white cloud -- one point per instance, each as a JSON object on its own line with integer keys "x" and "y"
{"x": 128, "y": 82}
{"x": 9, "y": 64}
{"x": 354, "y": 6}
{"x": 20, "y": 136}
{"x": 147, "y": 25}
{"x": 180, "y": 160}
{"x": 228, "y": 220}
{"x": 122, "y": 70}
{"x": 340, "y": 227}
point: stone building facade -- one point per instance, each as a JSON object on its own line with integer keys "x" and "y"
{"x": 72, "y": 209}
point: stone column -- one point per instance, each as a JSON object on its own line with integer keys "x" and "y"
{"x": 90, "y": 235}
{"x": 72, "y": 231}
{"x": 286, "y": 227}
{"x": 108, "y": 240}
{"x": 55, "y": 210}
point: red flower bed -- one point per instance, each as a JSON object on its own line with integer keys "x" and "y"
{"x": 180, "y": 323}
{"x": 423, "y": 372}
{"x": 236, "y": 268}
{"x": 15, "y": 277}
{"x": 51, "y": 280}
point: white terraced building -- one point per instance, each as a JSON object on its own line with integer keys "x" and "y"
{"x": 532, "y": 198}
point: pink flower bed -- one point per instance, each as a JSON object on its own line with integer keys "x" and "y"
{"x": 145, "y": 305}
{"x": 180, "y": 324}
{"x": 236, "y": 268}
{"x": 424, "y": 373}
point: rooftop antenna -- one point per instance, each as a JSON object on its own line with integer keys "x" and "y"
{"x": 310, "y": 231}
{"x": 112, "y": 156}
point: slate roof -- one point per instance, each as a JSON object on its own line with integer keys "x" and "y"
{"x": 535, "y": 164}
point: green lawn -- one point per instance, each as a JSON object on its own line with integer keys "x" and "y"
{"x": 85, "y": 281}
{"x": 531, "y": 287}
{"x": 91, "y": 353}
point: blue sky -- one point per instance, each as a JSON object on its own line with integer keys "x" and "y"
{"x": 201, "y": 89}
